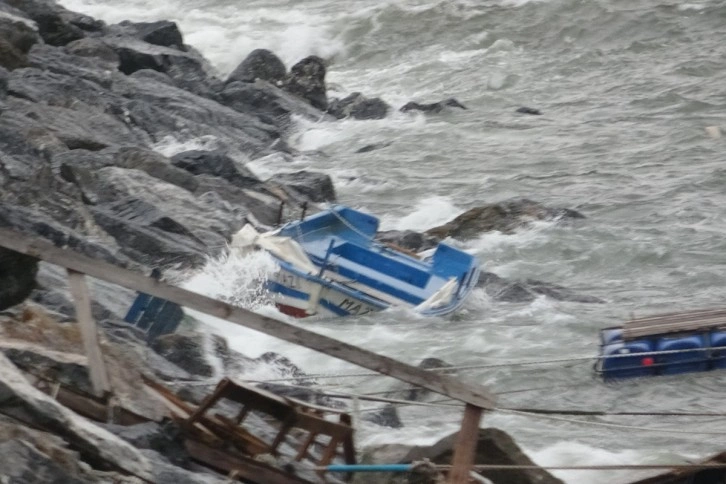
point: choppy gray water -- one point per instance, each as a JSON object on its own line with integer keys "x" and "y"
{"x": 627, "y": 89}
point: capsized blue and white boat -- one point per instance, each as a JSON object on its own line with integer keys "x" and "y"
{"x": 330, "y": 265}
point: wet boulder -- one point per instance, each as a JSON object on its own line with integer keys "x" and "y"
{"x": 385, "y": 417}
{"x": 505, "y": 290}
{"x": 55, "y": 23}
{"x": 259, "y": 64}
{"x": 526, "y": 110}
{"x": 4, "y": 75}
{"x": 149, "y": 236}
{"x": 407, "y": 239}
{"x": 163, "y": 32}
{"x": 357, "y": 106}
{"x": 504, "y": 217}
{"x": 93, "y": 47}
{"x": 198, "y": 162}
{"x": 306, "y": 80}
{"x": 494, "y": 446}
{"x": 434, "y": 108}
{"x": 17, "y": 273}
{"x": 17, "y": 35}
{"x": 268, "y": 102}
{"x": 312, "y": 186}
{"x": 192, "y": 351}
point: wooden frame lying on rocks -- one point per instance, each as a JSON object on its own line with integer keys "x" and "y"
{"x": 476, "y": 397}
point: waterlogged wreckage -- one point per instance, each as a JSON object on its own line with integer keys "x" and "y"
{"x": 330, "y": 265}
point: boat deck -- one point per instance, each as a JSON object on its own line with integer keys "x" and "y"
{"x": 378, "y": 267}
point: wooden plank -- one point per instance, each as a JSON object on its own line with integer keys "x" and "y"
{"x": 240, "y": 466}
{"x": 473, "y": 394}
{"x": 465, "y": 448}
{"x": 82, "y": 299}
{"x": 636, "y": 329}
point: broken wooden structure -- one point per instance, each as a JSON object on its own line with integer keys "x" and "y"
{"x": 477, "y": 398}
{"x": 316, "y": 439}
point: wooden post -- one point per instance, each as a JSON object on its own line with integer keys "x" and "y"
{"x": 465, "y": 448}
{"x": 473, "y": 394}
{"x": 82, "y": 299}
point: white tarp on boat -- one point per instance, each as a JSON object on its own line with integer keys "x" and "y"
{"x": 283, "y": 248}
{"x": 441, "y": 297}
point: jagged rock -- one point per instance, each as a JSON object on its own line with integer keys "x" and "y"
{"x": 306, "y": 79}
{"x": 64, "y": 368}
{"x": 76, "y": 128}
{"x": 53, "y": 20}
{"x": 259, "y": 64}
{"x": 436, "y": 107}
{"x": 188, "y": 350}
{"x": 528, "y": 290}
{"x": 163, "y": 438}
{"x": 18, "y": 399}
{"x": 505, "y": 217}
{"x": 357, "y": 106}
{"x": 4, "y": 74}
{"x": 31, "y": 222}
{"x": 408, "y": 239}
{"x": 270, "y": 103}
{"x": 386, "y": 417}
{"x": 17, "y": 273}
{"x": 216, "y": 164}
{"x": 17, "y": 36}
{"x": 22, "y": 462}
{"x": 493, "y": 447}
{"x": 316, "y": 187}
{"x": 238, "y": 201}
{"x": 93, "y": 47}
{"x": 373, "y": 147}
{"x": 163, "y": 111}
{"x": 526, "y": 110}
{"x": 148, "y": 236}
{"x": 155, "y": 165}
{"x": 163, "y": 32}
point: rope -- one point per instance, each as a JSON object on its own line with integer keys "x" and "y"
{"x": 514, "y": 467}
{"x": 498, "y": 365}
{"x": 608, "y": 424}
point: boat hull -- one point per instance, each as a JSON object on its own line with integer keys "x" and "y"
{"x": 302, "y": 295}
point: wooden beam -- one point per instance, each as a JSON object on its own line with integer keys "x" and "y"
{"x": 465, "y": 448}
{"x": 473, "y": 394}
{"x": 82, "y": 299}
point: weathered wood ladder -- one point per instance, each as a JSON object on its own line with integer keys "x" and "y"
{"x": 477, "y": 398}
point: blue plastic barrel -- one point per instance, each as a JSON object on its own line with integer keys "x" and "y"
{"x": 684, "y": 361}
{"x": 622, "y": 359}
{"x": 718, "y": 349}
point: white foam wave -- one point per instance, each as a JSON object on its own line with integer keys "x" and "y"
{"x": 226, "y": 33}
{"x": 429, "y": 212}
{"x": 170, "y": 146}
{"x": 575, "y": 453}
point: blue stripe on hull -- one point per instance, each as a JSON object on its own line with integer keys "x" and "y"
{"x": 279, "y": 288}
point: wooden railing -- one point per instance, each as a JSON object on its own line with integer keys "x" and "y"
{"x": 477, "y": 398}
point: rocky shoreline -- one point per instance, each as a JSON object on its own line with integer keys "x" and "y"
{"x": 84, "y": 107}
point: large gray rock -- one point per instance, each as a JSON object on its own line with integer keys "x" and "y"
{"x": 357, "y": 106}
{"x": 306, "y": 79}
{"x": 17, "y": 36}
{"x": 313, "y": 186}
{"x": 188, "y": 350}
{"x": 528, "y": 290}
{"x": 55, "y": 23}
{"x": 505, "y": 217}
{"x": 21, "y": 462}
{"x": 217, "y": 164}
{"x": 259, "y": 64}
{"x": 270, "y": 103}
{"x": 163, "y": 32}
{"x": 19, "y": 399}
{"x": 17, "y": 273}
{"x": 493, "y": 447}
